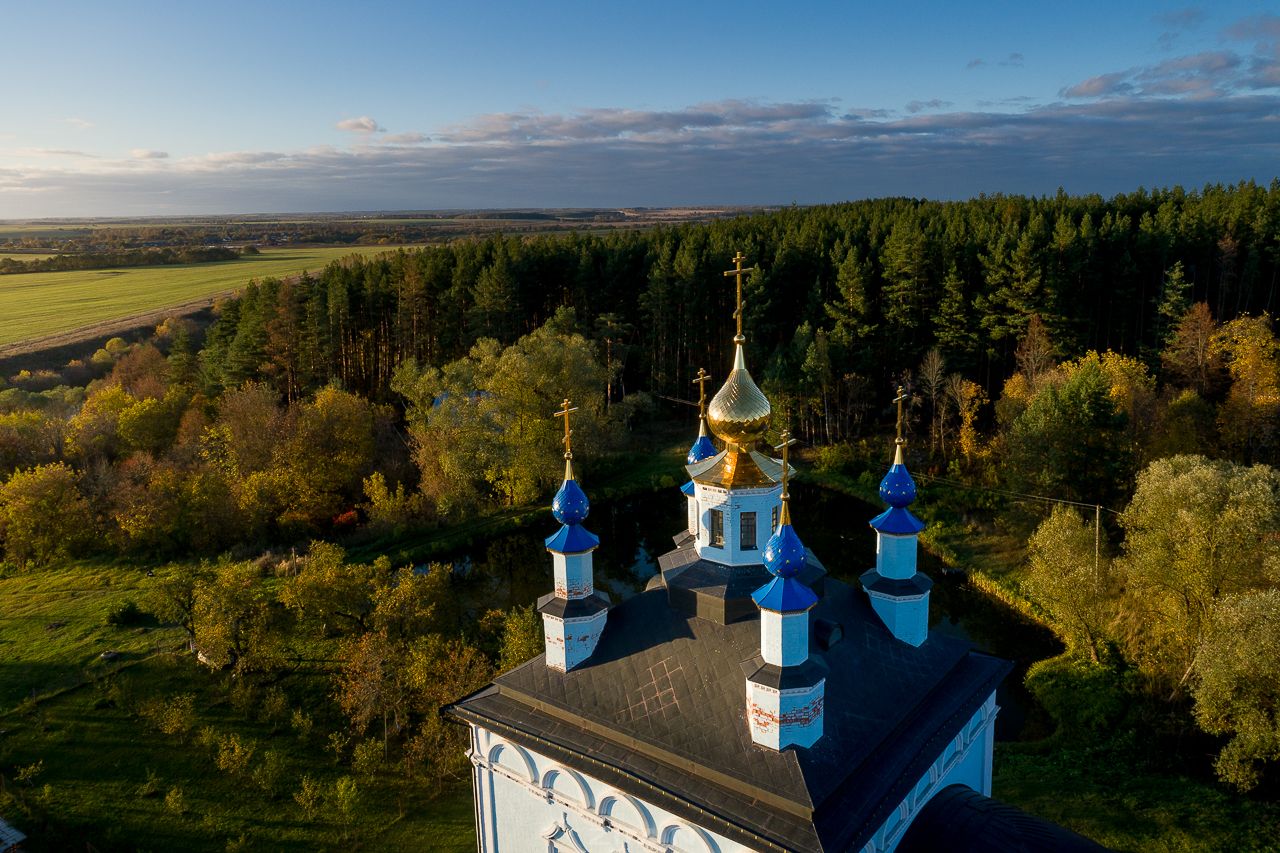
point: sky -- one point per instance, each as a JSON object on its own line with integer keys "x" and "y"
{"x": 152, "y": 109}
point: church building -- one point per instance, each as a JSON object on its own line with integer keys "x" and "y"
{"x": 745, "y": 701}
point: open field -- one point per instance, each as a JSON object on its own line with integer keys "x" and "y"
{"x": 25, "y": 256}
{"x": 36, "y": 305}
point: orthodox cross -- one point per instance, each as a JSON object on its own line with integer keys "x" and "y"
{"x": 568, "y": 433}
{"x": 738, "y": 271}
{"x": 785, "y": 447}
{"x": 902, "y": 395}
{"x": 701, "y": 382}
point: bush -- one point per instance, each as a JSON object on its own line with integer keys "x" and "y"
{"x": 345, "y": 799}
{"x": 275, "y": 707}
{"x": 1082, "y": 697}
{"x": 125, "y": 615}
{"x": 175, "y": 801}
{"x": 234, "y": 754}
{"x": 366, "y": 758}
{"x": 269, "y": 773}
{"x": 151, "y": 786}
{"x": 309, "y": 797}
{"x": 834, "y": 458}
{"x": 174, "y": 717}
{"x": 302, "y": 724}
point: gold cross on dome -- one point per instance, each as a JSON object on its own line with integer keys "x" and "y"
{"x": 784, "y": 517}
{"x": 785, "y": 447}
{"x": 738, "y": 271}
{"x": 701, "y": 382}
{"x": 564, "y": 412}
{"x": 902, "y": 395}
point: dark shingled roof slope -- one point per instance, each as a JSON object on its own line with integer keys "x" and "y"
{"x": 660, "y": 710}
{"x": 960, "y": 820}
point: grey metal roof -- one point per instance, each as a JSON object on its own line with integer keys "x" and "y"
{"x": 960, "y": 820}
{"x": 660, "y": 710}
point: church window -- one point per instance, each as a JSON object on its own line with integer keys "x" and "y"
{"x": 717, "y": 528}
{"x": 747, "y": 531}
{"x": 774, "y": 526}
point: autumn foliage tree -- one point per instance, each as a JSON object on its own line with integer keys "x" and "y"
{"x": 43, "y": 516}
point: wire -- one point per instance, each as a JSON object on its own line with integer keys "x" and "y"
{"x": 1012, "y": 494}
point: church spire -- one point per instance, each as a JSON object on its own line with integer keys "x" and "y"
{"x": 739, "y": 413}
{"x": 899, "y": 594}
{"x": 702, "y": 447}
{"x": 794, "y": 717}
{"x": 573, "y": 614}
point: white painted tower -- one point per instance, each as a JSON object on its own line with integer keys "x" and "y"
{"x": 785, "y": 694}
{"x": 574, "y": 614}
{"x": 899, "y": 594}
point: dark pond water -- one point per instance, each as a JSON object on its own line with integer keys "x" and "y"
{"x": 515, "y": 569}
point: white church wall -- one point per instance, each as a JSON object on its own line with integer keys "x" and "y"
{"x": 965, "y": 760}
{"x": 528, "y": 803}
{"x": 732, "y": 504}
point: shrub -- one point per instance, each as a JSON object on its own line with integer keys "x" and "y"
{"x": 234, "y": 754}
{"x": 302, "y": 724}
{"x": 175, "y": 801}
{"x": 151, "y": 786}
{"x": 126, "y": 614}
{"x": 1082, "y": 697}
{"x": 834, "y": 458}
{"x": 174, "y": 717}
{"x": 366, "y": 758}
{"x": 275, "y": 707}
{"x": 309, "y": 797}
{"x": 269, "y": 773}
{"x": 345, "y": 799}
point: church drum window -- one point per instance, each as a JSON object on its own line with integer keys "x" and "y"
{"x": 747, "y": 531}
{"x": 716, "y": 533}
{"x": 773, "y": 527}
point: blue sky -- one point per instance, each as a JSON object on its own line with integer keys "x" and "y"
{"x": 163, "y": 108}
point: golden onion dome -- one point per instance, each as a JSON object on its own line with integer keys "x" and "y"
{"x": 739, "y": 413}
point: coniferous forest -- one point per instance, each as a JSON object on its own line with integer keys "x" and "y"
{"x": 1094, "y": 380}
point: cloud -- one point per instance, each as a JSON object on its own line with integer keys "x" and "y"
{"x": 363, "y": 124}
{"x": 974, "y": 63}
{"x": 605, "y": 123}
{"x": 1100, "y": 86}
{"x": 932, "y": 104}
{"x": 54, "y": 152}
{"x": 78, "y": 123}
{"x": 148, "y": 154}
{"x": 1014, "y": 60}
{"x": 405, "y": 139}
{"x": 726, "y": 152}
{"x": 1257, "y": 28}
{"x": 1208, "y": 74}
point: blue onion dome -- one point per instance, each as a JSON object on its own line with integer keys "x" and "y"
{"x": 701, "y": 449}
{"x": 897, "y": 489}
{"x": 570, "y": 505}
{"x": 784, "y": 553}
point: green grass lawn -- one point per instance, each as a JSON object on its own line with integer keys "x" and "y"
{"x": 53, "y": 628}
{"x": 45, "y": 303}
